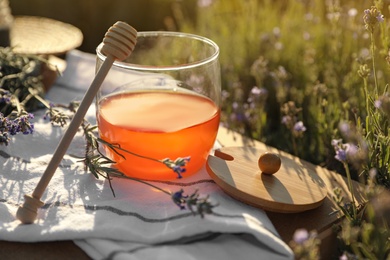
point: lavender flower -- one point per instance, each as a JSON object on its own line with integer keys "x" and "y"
{"x": 380, "y": 17}
{"x": 290, "y": 119}
{"x": 299, "y": 128}
{"x": 383, "y": 103}
{"x": 300, "y": 236}
{"x": 178, "y": 166}
{"x": 24, "y": 125}
{"x": 378, "y": 103}
{"x": 225, "y": 95}
{"x": 193, "y": 202}
{"x": 345, "y": 152}
{"x": 259, "y": 68}
{"x": 341, "y": 155}
{"x": 345, "y": 129}
{"x": 336, "y": 142}
{"x": 257, "y": 95}
{"x": 343, "y": 257}
{"x": 56, "y": 116}
{"x": 256, "y": 91}
{"x": 305, "y": 245}
{"x": 340, "y": 149}
{"x": 179, "y": 199}
{"x": 364, "y": 71}
{"x": 356, "y": 147}
{"x": 372, "y": 17}
{"x": 287, "y": 121}
{"x": 20, "y": 124}
{"x": 5, "y": 96}
{"x": 235, "y": 106}
{"x": 238, "y": 116}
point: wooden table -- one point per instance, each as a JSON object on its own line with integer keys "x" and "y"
{"x": 320, "y": 219}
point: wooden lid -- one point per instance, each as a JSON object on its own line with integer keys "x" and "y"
{"x": 296, "y": 187}
{"x": 39, "y": 35}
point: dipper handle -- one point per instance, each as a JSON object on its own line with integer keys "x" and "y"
{"x": 118, "y": 44}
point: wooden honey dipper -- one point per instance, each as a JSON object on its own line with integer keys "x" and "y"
{"x": 118, "y": 44}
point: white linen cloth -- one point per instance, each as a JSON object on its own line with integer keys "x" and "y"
{"x": 139, "y": 222}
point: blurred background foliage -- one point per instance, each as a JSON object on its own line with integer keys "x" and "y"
{"x": 304, "y": 54}
{"x": 287, "y": 57}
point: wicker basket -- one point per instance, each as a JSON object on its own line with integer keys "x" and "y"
{"x": 43, "y": 36}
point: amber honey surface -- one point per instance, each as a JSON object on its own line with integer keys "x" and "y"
{"x": 158, "y": 125}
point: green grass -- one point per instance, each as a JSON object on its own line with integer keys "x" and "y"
{"x": 323, "y": 64}
{"x": 310, "y": 52}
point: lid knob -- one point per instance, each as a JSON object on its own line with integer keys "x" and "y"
{"x": 269, "y": 163}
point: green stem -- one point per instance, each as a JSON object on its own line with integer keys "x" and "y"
{"x": 350, "y": 187}
{"x": 8, "y": 77}
{"x": 373, "y": 64}
{"x": 294, "y": 143}
{"x": 114, "y": 147}
{"x": 15, "y": 101}
{"x": 39, "y": 98}
{"x": 366, "y": 96}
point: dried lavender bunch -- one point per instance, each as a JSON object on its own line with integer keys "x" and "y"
{"x": 20, "y": 77}
{"x": 21, "y": 91}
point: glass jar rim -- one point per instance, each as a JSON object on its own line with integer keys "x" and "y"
{"x": 127, "y": 65}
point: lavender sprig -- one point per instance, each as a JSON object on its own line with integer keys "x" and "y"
{"x": 15, "y": 124}
{"x": 291, "y": 122}
{"x": 21, "y": 92}
{"x": 100, "y": 165}
{"x": 193, "y": 202}
{"x": 178, "y": 165}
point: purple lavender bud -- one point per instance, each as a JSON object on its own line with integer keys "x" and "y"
{"x": 345, "y": 128}
{"x": 300, "y": 236}
{"x": 235, "y": 105}
{"x": 378, "y": 103}
{"x": 351, "y": 150}
{"x": 299, "y": 127}
{"x": 341, "y": 155}
{"x": 380, "y": 17}
{"x": 286, "y": 120}
{"x": 178, "y": 198}
{"x": 343, "y": 257}
{"x": 336, "y": 142}
{"x": 258, "y": 92}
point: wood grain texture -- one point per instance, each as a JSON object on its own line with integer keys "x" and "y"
{"x": 296, "y": 187}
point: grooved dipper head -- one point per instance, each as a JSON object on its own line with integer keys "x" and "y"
{"x": 119, "y": 41}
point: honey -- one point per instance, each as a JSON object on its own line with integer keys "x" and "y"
{"x": 158, "y": 124}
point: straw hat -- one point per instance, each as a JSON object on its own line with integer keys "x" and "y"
{"x": 39, "y": 35}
